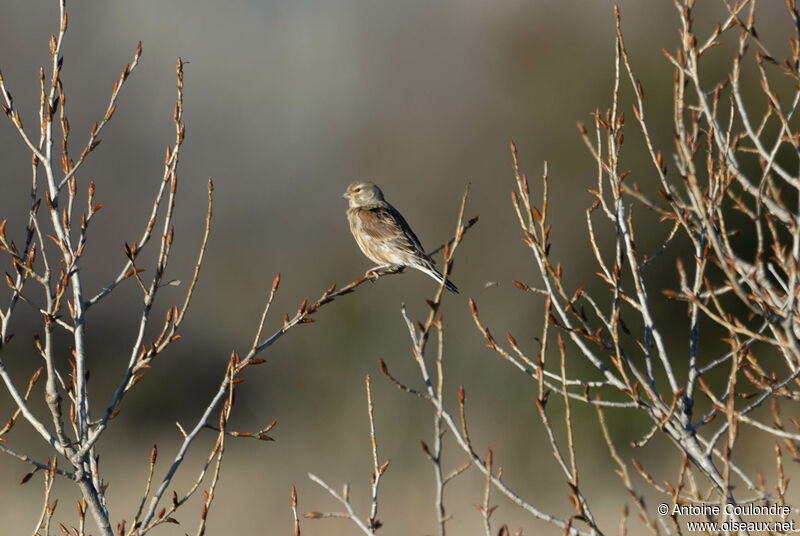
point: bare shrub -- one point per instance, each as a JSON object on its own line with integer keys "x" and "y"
{"x": 47, "y": 276}
{"x": 747, "y": 288}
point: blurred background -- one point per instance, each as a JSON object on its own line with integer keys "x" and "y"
{"x": 286, "y": 103}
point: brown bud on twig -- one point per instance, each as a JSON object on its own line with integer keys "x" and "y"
{"x": 425, "y": 449}
{"x": 276, "y": 282}
{"x": 511, "y": 340}
{"x": 519, "y": 285}
{"x": 384, "y": 466}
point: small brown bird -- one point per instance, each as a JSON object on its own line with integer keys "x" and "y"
{"x": 384, "y": 235}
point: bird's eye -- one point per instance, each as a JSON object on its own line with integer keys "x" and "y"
{"x": 358, "y": 189}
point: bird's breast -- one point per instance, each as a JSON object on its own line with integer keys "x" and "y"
{"x": 377, "y": 250}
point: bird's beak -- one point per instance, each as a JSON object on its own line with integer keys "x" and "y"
{"x": 346, "y": 195}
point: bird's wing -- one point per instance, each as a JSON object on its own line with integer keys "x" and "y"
{"x": 385, "y": 223}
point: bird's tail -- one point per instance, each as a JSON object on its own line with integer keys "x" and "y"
{"x": 437, "y": 275}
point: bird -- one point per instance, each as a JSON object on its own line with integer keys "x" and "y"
{"x": 384, "y": 236}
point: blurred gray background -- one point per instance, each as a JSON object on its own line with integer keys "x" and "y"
{"x": 286, "y": 102}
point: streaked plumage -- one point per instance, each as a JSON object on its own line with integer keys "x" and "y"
{"x": 384, "y": 235}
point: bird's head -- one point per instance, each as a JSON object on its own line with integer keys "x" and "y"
{"x": 363, "y": 193}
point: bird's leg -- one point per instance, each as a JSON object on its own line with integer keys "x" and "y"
{"x": 375, "y": 272}
{"x": 384, "y": 269}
